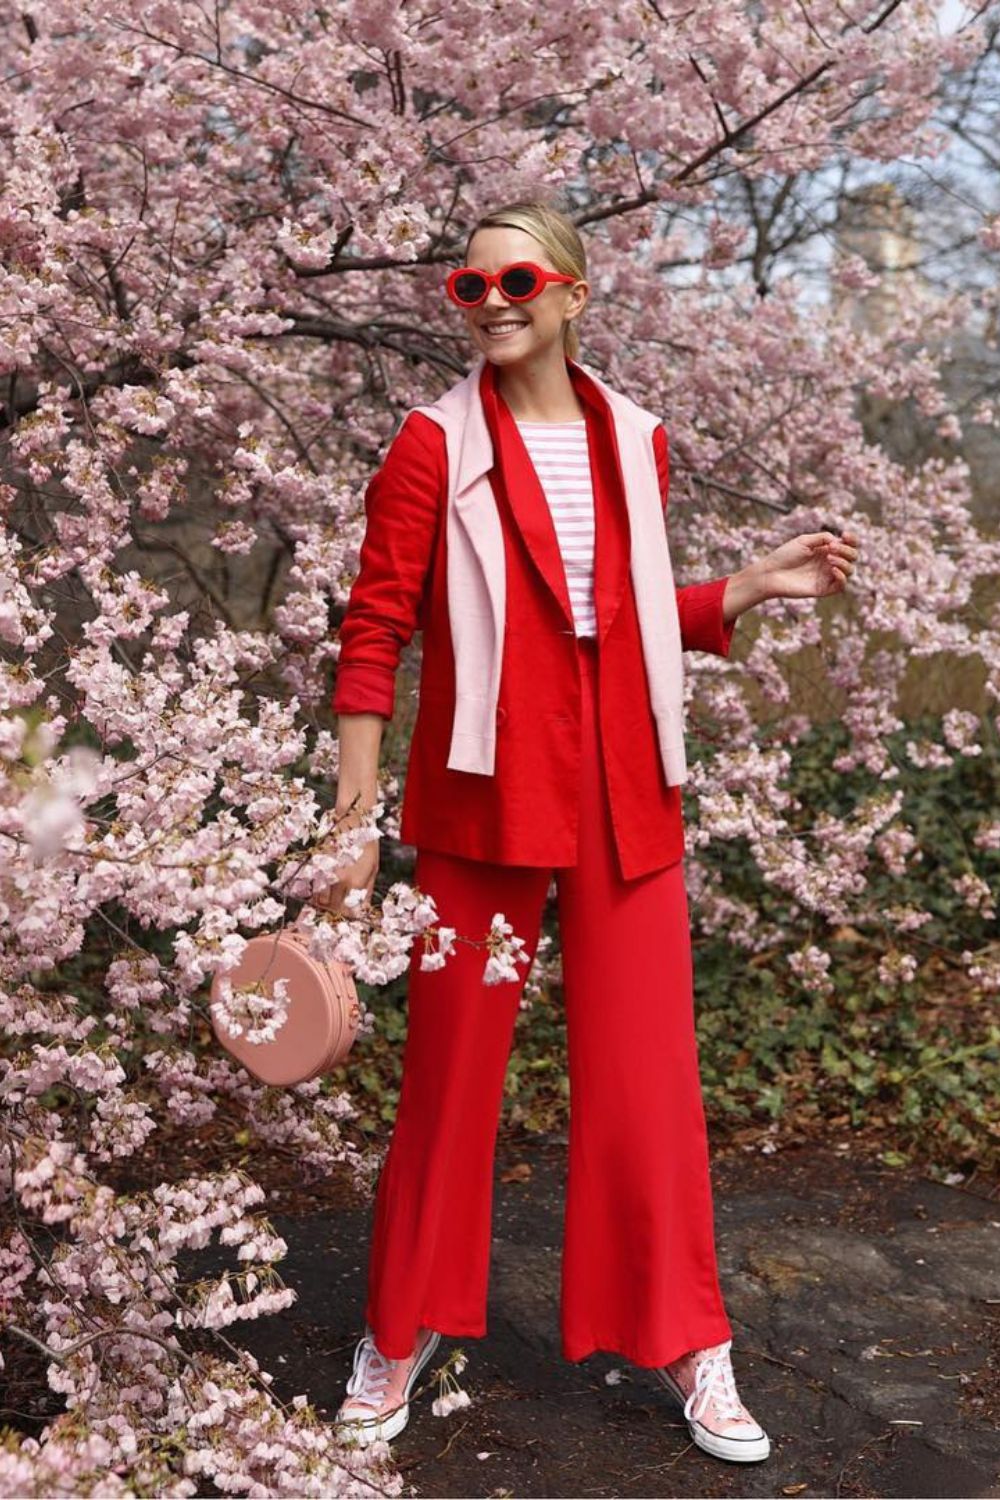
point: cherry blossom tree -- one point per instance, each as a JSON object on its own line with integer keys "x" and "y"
{"x": 224, "y": 230}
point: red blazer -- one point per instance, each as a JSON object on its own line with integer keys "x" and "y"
{"x": 526, "y": 813}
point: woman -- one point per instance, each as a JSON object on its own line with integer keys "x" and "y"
{"x": 518, "y": 521}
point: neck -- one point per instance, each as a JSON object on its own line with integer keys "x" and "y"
{"x": 539, "y": 389}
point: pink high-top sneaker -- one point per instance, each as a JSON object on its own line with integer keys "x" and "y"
{"x": 377, "y": 1404}
{"x": 704, "y": 1384}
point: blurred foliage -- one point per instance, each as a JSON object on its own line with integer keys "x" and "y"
{"x": 916, "y": 1059}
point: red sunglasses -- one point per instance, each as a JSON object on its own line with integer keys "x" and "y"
{"x": 518, "y": 282}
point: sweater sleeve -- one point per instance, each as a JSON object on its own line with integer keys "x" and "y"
{"x": 699, "y": 605}
{"x": 403, "y": 502}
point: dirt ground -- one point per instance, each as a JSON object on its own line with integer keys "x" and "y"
{"x": 865, "y": 1305}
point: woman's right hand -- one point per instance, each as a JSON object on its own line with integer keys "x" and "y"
{"x": 355, "y": 877}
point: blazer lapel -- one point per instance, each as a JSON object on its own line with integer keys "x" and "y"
{"x": 525, "y": 495}
{"x": 611, "y": 525}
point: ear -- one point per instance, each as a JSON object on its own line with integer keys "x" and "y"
{"x": 578, "y": 298}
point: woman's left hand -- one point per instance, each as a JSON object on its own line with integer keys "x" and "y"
{"x": 810, "y": 566}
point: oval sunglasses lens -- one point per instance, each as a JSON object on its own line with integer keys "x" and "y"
{"x": 470, "y": 287}
{"x": 518, "y": 282}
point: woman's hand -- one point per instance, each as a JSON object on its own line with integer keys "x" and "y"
{"x": 810, "y": 566}
{"x": 354, "y": 877}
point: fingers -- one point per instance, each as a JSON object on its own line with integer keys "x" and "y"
{"x": 332, "y": 899}
{"x": 838, "y": 552}
{"x": 846, "y": 542}
{"x": 358, "y": 877}
{"x": 329, "y": 899}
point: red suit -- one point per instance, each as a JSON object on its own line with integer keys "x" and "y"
{"x": 578, "y": 797}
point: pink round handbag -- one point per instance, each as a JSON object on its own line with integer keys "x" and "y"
{"x": 324, "y": 1012}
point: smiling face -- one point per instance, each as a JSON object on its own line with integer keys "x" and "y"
{"x": 505, "y": 331}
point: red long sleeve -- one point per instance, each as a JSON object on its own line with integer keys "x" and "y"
{"x": 403, "y": 504}
{"x": 699, "y": 605}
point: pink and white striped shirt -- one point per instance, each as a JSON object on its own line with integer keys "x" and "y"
{"x": 559, "y": 453}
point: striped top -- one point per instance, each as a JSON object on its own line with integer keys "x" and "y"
{"x": 561, "y": 458}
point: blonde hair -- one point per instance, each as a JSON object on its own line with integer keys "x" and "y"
{"x": 558, "y": 236}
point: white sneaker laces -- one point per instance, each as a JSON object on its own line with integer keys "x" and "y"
{"x": 368, "y": 1379}
{"x": 714, "y": 1382}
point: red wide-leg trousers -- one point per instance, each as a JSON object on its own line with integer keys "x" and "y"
{"x": 639, "y": 1274}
